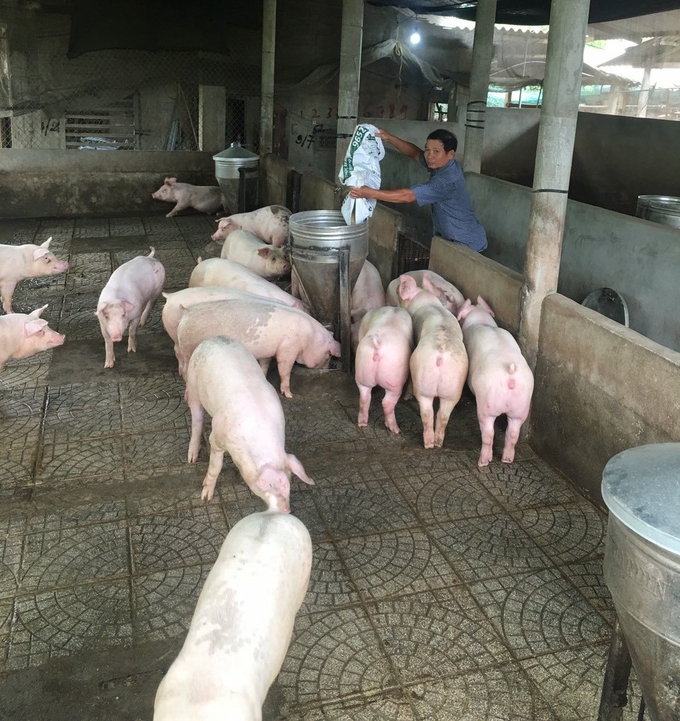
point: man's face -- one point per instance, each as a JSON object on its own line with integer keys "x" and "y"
{"x": 435, "y": 155}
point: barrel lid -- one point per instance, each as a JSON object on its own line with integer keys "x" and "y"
{"x": 640, "y": 487}
{"x": 236, "y": 154}
{"x": 609, "y": 302}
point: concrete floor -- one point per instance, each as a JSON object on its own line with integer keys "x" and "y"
{"x": 439, "y": 591}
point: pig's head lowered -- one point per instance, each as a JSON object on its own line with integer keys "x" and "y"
{"x": 480, "y": 314}
{"x": 317, "y": 354}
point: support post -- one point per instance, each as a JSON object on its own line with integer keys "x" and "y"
{"x": 268, "y": 57}
{"x": 615, "y": 684}
{"x": 557, "y": 129}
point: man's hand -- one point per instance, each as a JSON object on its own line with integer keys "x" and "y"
{"x": 362, "y": 192}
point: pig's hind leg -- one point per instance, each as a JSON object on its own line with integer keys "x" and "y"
{"x": 132, "y": 335}
{"x": 146, "y": 312}
{"x": 389, "y": 403}
{"x": 197, "y": 415}
{"x": 446, "y": 407}
{"x": 426, "y": 406}
{"x": 511, "y": 438}
{"x": 364, "y": 405}
{"x": 214, "y": 468}
{"x": 486, "y": 427}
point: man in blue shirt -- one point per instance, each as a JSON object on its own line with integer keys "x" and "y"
{"x": 452, "y": 213}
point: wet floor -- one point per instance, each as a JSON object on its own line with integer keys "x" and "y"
{"x": 439, "y": 591}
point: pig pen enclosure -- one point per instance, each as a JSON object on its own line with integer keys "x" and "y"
{"x": 439, "y": 590}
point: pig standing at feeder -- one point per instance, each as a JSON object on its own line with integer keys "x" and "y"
{"x": 23, "y": 335}
{"x": 499, "y": 376}
{"x": 248, "y": 249}
{"x": 127, "y": 300}
{"x": 205, "y": 198}
{"x": 450, "y": 297}
{"x": 439, "y": 363}
{"x": 18, "y": 262}
{"x": 269, "y": 223}
{"x": 224, "y": 379}
{"x": 368, "y": 293}
{"x": 242, "y": 625}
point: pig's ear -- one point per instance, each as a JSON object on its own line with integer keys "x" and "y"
{"x": 408, "y": 287}
{"x": 298, "y": 469}
{"x": 40, "y": 252}
{"x": 430, "y": 286}
{"x": 46, "y": 244}
{"x": 32, "y": 327}
{"x": 264, "y": 252}
{"x": 481, "y": 302}
{"x": 170, "y": 181}
{"x": 464, "y": 309}
{"x": 37, "y": 312}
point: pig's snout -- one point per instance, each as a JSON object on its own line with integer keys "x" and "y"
{"x": 217, "y": 235}
{"x": 278, "y": 503}
{"x": 60, "y": 266}
{"x": 56, "y": 339}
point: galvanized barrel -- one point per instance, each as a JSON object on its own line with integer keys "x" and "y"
{"x": 642, "y": 567}
{"x": 318, "y": 241}
{"x": 227, "y": 164}
{"x": 664, "y": 209}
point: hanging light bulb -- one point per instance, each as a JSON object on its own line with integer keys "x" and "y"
{"x": 415, "y": 36}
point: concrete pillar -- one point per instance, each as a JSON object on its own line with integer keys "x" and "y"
{"x": 482, "y": 55}
{"x": 350, "y": 74}
{"x": 643, "y": 97}
{"x": 557, "y": 128}
{"x": 268, "y": 56}
{"x": 211, "y": 117}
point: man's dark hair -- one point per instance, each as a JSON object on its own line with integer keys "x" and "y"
{"x": 448, "y": 139}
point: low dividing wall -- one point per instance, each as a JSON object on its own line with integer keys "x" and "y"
{"x": 600, "y": 387}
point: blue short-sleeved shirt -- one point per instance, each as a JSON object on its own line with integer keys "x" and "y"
{"x": 452, "y": 212}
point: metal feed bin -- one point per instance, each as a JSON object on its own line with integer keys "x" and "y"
{"x": 641, "y": 487}
{"x": 327, "y": 256}
{"x": 236, "y": 170}
{"x": 664, "y": 209}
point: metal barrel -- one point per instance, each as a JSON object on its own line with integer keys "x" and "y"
{"x": 642, "y": 567}
{"x": 664, "y": 209}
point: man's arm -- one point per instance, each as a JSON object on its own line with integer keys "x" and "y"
{"x": 403, "y": 146}
{"x": 401, "y": 195}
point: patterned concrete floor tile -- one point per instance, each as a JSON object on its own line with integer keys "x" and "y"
{"x": 58, "y": 228}
{"x": 162, "y": 490}
{"x": 329, "y": 585}
{"x": 408, "y": 420}
{"x": 128, "y": 225}
{"x": 91, "y": 227}
{"x": 526, "y": 483}
{"x": 74, "y": 459}
{"x": 74, "y": 556}
{"x": 91, "y": 262}
{"x": 496, "y": 694}
{"x": 54, "y": 624}
{"x": 32, "y": 290}
{"x": 85, "y": 280}
{"x": 46, "y": 516}
{"x": 6, "y": 609}
{"x": 158, "y": 449}
{"x": 395, "y": 563}
{"x": 164, "y": 602}
{"x": 361, "y": 509}
{"x": 16, "y": 468}
{"x": 187, "y": 537}
{"x": 26, "y": 372}
{"x": 539, "y": 612}
{"x": 444, "y": 496}
{"x": 391, "y": 706}
{"x": 12, "y": 530}
{"x": 311, "y": 423}
{"x": 587, "y": 577}
{"x": 567, "y": 533}
{"x": 487, "y": 547}
{"x": 333, "y": 655}
{"x": 571, "y": 681}
{"x": 78, "y": 320}
{"x": 325, "y": 470}
{"x": 81, "y": 411}
{"x": 155, "y": 404}
{"x": 437, "y": 634}
{"x": 29, "y": 302}
{"x": 20, "y": 417}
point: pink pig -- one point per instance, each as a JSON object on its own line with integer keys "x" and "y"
{"x": 269, "y": 223}
{"x": 206, "y": 198}
{"x": 439, "y": 363}
{"x": 127, "y": 300}
{"x": 368, "y": 293}
{"x": 449, "y": 296}
{"x": 18, "y": 262}
{"x": 382, "y": 359}
{"x": 499, "y": 377}
{"x": 250, "y": 250}
{"x": 23, "y": 335}
{"x": 224, "y": 378}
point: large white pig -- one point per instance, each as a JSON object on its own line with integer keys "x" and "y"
{"x": 127, "y": 300}
{"x": 224, "y": 379}
{"x": 267, "y": 330}
{"x": 242, "y": 625}
{"x": 439, "y": 363}
{"x": 449, "y": 296}
{"x": 229, "y": 274}
{"x": 382, "y": 359}
{"x": 250, "y": 250}
{"x": 18, "y": 262}
{"x": 206, "y": 198}
{"x": 499, "y": 376}
{"x": 177, "y": 303}
{"x": 269, "y": 223}
{"x": 368, "y": 293}
{"x": 23, "y": 335}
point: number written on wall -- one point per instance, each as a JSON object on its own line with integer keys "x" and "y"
{"x": 51, "y": 125}
{"x": 392, "y": 112}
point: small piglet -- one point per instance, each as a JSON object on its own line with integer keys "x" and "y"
{"x": 230, "y": 274}
{"x": 382, "y": 359}
{"x": 449, "y": 296}
{"x": 250, "y": 250}
{"x": 206, "y": 198}
{"x": 269, "y": 223}
{"x": 268, "y": 330}
{"x": 23, "y": 335}
{"x": 499, "y": 377}
{"x": 127, "y": 300}
{"x": 439, "y": 363}
{"x": 242, "y": 625}
{"x": 18, "y": 262}
{"x": 224, "y": 379}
